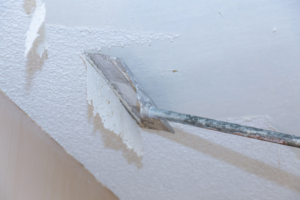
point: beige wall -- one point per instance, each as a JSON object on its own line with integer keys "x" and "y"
{"x": 34, "y": 167}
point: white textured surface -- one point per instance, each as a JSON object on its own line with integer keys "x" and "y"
{"x": 36, "y": 31}
{"x": 235, "y": 66}
{"x": 113, "y": 114}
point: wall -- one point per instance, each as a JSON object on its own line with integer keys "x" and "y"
{"x": 234, "y": 59}
{"x": 33, "y": 166}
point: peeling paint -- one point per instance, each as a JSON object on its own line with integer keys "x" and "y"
{"x": 113, "y": 114}
{"x": 36, "y": 30}
{"x": 237, "y": 70}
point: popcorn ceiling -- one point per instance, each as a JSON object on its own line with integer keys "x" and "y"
{"x": 53, "y": 92}
{"x": 113, "y": 114}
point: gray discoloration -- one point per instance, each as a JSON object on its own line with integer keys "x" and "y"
{"x": 226, "y": 127}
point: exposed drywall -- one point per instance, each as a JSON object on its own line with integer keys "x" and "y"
{"x": 229, "y": 64}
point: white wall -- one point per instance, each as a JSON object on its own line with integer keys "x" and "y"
{"x": 234, "y": 59}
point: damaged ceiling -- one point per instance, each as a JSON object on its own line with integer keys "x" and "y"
{"x": 230, "y": 60}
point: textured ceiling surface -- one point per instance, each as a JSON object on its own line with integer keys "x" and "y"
{"x": 233, "y": 59}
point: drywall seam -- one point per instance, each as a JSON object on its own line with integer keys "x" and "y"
{"x": 113, "y": 114}
{"x": 36, "y": 30}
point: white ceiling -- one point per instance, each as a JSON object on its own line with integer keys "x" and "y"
{"x": 234, "y": 59}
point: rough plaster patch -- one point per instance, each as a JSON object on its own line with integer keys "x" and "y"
{"x": 36, "y": 30}
{"x": 113, "y": 114}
